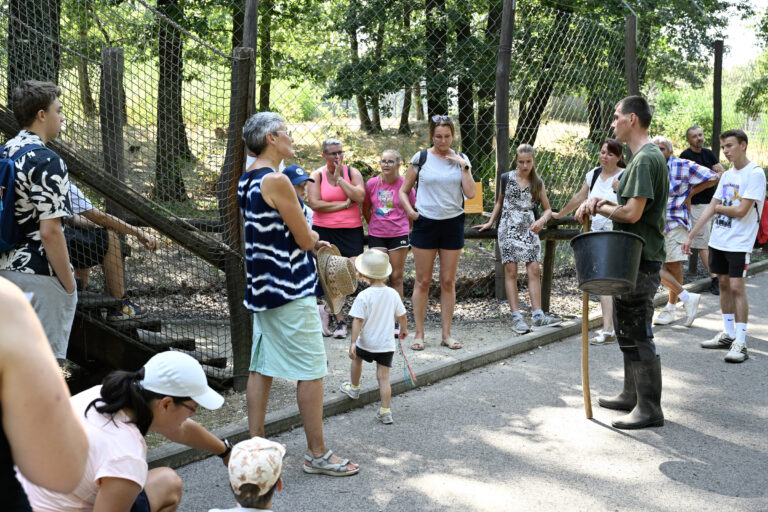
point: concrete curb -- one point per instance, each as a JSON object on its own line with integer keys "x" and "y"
{"x": 176, "y": 455}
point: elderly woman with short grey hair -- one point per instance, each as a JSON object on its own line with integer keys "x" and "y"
{"x": 280, "y": 291}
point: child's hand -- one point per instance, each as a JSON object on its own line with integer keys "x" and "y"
{"x": 403, "y": 331}
{"x": 352, "y": 352}
{"x": 537, "y": 225}
{"x": 483, "y": 227}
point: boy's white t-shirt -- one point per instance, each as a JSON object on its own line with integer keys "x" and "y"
{"x": 733, "y": 234}
{"x": 378, "y": 306}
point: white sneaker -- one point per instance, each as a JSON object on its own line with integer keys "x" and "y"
{"x": 722, "y": 340}
{"x": 738, "y": 353}
{"x": 691, "y": 307}
{"x": 665, "y": 317}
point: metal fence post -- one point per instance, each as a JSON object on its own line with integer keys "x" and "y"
{"x": 630, "y": 56}
{"x": 111, "y": 117}
{"x": 239, "y": 318}
{"x": 502, "y": 120}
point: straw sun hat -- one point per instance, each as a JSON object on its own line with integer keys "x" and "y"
{"x": 337, "y": 277}
{"x": 373, "y": 264}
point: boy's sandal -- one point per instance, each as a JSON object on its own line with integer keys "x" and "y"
{"x": 418, "y": 344}
{"x": 451, "y": 344}
{"x": 324, "y": 466}
{"x": 603, "y": 337}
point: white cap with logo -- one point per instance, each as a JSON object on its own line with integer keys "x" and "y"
{"x": 179, "y": 375}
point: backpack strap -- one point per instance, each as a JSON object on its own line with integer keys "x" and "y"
{"x": 595, "y": 175}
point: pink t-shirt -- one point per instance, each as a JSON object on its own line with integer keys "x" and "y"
{"x": 388, "y": 218}
{"x": 117, "y": 449}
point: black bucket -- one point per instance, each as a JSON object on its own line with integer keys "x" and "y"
{"x": 607, "y": 261}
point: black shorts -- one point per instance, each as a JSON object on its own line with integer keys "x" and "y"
{"x": 87, "y": 246}
{"x": 438, "y": 234}
{"x": 348, "y": 240}
{"x": 382, "y": 358}
{"x": 732, "y": 263}
{"x": 389, "y": 244}
{"x": 141, "y": 504}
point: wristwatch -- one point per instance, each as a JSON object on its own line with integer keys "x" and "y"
{"x": 228, "y": 449}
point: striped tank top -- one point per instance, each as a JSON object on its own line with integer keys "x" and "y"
{"x": 278, "y": 270}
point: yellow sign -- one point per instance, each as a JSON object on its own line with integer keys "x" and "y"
{"x": 475, "y": 205}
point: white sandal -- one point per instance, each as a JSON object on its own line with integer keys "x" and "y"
{"x": 603, "y": 338}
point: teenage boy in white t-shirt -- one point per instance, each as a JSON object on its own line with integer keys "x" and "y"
{"x": 736, "y": 205}
{"x": 373, "y": 338}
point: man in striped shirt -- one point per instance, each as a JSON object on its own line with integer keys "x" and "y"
{"x": 683, "y": 176}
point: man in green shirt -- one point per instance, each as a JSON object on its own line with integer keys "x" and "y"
{"x": 641, "y": 209}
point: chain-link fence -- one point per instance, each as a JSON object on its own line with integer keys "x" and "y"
{"x": 153, "y": 114}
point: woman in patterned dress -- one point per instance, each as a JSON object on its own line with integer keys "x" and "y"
{"x": 518, "y": 235}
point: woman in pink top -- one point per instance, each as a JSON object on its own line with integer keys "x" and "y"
{"x": 335, "y": 197}
{"x": 388, "y": 222}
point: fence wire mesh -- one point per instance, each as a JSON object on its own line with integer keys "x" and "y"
{"x": 147, "y": 90}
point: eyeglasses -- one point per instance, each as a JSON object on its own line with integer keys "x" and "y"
{"x": 289, "y": 133}
{"x": 435, "y": 119}
{"x": 336, "y": 154}
{"x": 193, "y": 409}
{"x": 388, "y": 162}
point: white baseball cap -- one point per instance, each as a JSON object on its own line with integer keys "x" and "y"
{"x": 256, "y": 461}
{"x": 178, "y": 374}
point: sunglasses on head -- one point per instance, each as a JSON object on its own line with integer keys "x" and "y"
{"x": 435, "y": 119}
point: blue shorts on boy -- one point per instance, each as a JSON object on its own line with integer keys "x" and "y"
{"x": 377, "y": 306}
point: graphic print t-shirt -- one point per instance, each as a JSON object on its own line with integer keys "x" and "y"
{"x": 734, "y": 234}
{"x": 388, "y": 218}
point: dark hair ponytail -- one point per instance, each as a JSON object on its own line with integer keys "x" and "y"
{"x": 122, "y": 390}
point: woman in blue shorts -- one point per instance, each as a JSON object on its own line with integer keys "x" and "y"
{"x": 442, "y": 180}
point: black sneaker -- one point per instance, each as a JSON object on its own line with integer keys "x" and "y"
{"x": 714, "y": 286}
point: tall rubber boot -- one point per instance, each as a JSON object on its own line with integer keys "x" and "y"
{"x": 647, "y": 412}
{"x": 627, "y": 399}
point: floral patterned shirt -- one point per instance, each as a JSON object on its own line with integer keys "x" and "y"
{"x": 42, "y": 192}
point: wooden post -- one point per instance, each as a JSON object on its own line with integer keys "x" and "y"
{"x": 111, "y": 108}
{"x": 240, "y": 325}
{"x": 548, "y": 272}
{"x": 250, "y": 37}
{"x": 111, "y": 117}
{"x": 503, "y": 59}
{"x": 630, "y": 56}
{"x": 717, "y": 99}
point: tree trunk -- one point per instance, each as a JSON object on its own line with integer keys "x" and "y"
{"x": 437, "y": 75}
{"x": 465, "y": 88}
{"x": 532, "y": 110}
{"x": 362, "y": 108}
{"x": 86, "y": 96}
{"x": 375, "y": 108}
{"x": 405, "y": 126}
{"x": 419, "y": 101}
{"x": 486, "y": 92}
{"x": 172, "y": 147}
{"x": 594, "y": 108}
{"x": 265, "y": 52}
{"x": 33, "y": 41}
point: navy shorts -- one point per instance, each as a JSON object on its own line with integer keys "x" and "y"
{"x": 438, "y": 234}
{"x": 348, "y": 240}
{"x": 382, "y": 358}
{"x": 141, "y": 504}
{"x": 87, "y": 246}
{"x": 392, "y": 243}
{"x": 732, "y": 263}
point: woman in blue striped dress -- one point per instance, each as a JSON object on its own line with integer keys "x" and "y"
{"x": 280, "y": 291}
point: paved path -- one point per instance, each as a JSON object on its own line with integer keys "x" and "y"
{"x": 513, "y": 436}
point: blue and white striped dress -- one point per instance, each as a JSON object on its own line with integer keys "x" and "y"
{"x": 278, "y": 270}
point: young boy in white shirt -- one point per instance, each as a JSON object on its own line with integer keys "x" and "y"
{"x": 373, "y": 338}
{"x": 736, "y": 205}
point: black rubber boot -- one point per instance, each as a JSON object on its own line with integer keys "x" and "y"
{"x": 626, "y": 400}
{"x": 647, "y": 412}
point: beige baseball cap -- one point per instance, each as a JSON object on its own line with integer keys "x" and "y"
{"x": 256, "y": 461}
